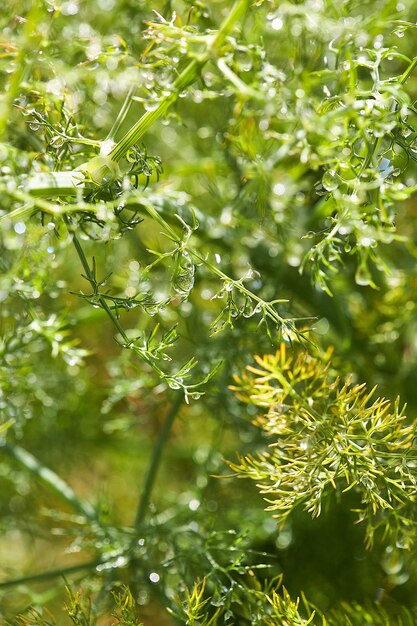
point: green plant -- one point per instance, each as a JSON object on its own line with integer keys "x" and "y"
{"x": 184, "y": 185}
{"x": 329, "y": 435}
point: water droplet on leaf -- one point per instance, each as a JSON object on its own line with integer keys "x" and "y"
{"x": 330, "y": 180}
{"x": 362, "y": 276}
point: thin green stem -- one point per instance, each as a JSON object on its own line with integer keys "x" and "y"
{"x": 90, "y": 277}
{"x": 33, "y": 203}
{"x": 29, "y": 47}
{"x": 377, "y": 142}
{"x": 184, "y": 80}
{"x": 267, "y": 306}
{"x": 243, "y": 89}
{"x": 57, "y": 187}
{"x": 142, "y": 353}
{"x": 50, "y": 479}
{"x": 410, "y": 69}
{"x": 156, "y": 460}
{"x": 155, "y": 215}
{"x": 54, "y": 573}
{"x": 187, "y": 76}
{"x": 121, "y": 115}
{"x": 237, "y": 13}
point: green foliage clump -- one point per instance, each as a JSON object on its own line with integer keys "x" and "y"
{"x": 327, "y": 436}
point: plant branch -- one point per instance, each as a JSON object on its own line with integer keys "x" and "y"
{"x": 31, "y": 42}
{"x": 50, "y": 479}
{"x": 184, "y": 80}
{"x": 187, "y": 76}
{"x": 90, "y": 277}
{"x": 410, "y": 69}
{"x": 121, "y": 115}
{"x": 54, "y": 573}
{"x": 156, "y": 459}
{"x": 268, "y": 307}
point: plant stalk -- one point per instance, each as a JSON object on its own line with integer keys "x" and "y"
{"x": 410, "y": 69}
{"x": 31, "y": 43}
{"x": 54, "y": 573}
{"x": 156, "y": 459}
{"x": 90, "y": 277}
{"x": 187, "y": 76}
{"x": 100, "y": 168}
{"x": 184, "y": 80}
{"x": 50, "y": 479}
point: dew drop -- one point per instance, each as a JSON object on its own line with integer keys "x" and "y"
{"x": 391, "y": 561}
{"x": 362, "y": 276}
{"x": 19, "y": 228}
{"x": 195, "y": 395}
{"x": 154, "y": 577}
{"x": 277, "y": 23}
{"x": 279, "y": 189}
{"x": 330, "y": 180}
{"x": 151, "y": 105}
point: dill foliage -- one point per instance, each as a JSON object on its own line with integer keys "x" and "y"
{"x": 185, "y": 185}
